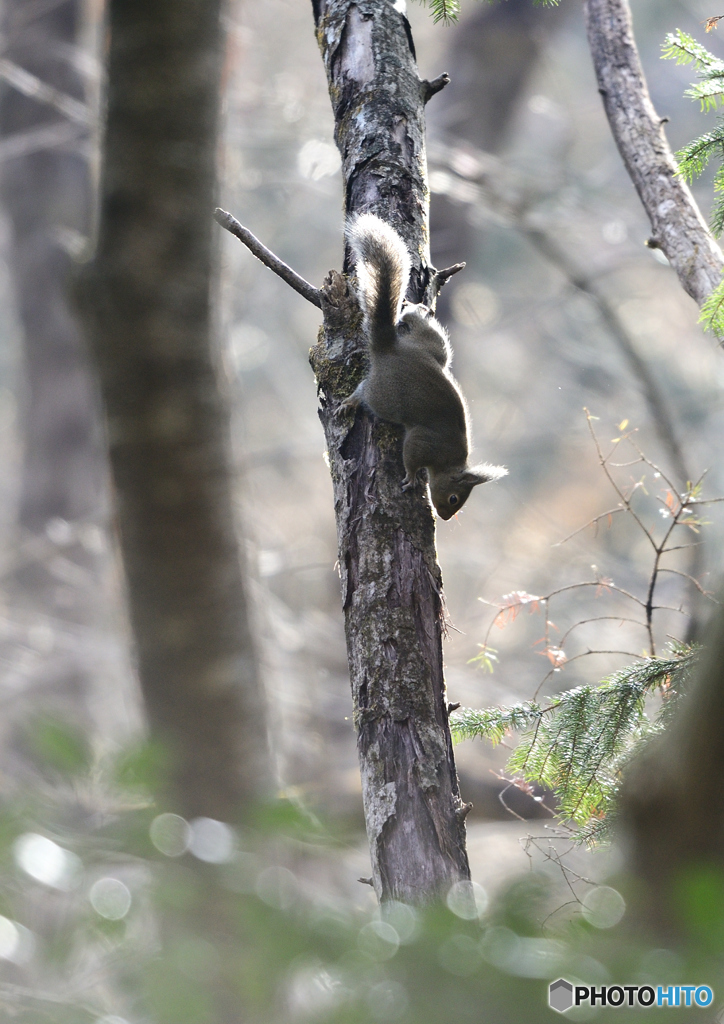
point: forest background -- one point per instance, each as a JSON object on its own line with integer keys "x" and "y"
{"x": 521, "y": 128}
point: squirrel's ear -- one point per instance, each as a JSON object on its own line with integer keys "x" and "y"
{"x": 481, "y": 474}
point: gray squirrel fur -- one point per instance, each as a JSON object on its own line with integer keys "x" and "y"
{"x": 409, "y": 381}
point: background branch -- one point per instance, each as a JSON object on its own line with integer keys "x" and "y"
{"x": 677, "y": 224}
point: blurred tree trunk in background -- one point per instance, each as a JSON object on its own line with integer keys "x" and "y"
{"x": 59, "y": 572}
{"x": 495, "y": 53}
{"x": 672, "y": 808}
{"x": 147, "y": 295}
{"x": 47, "y": 193}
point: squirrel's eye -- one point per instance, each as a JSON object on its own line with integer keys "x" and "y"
{"x": 453, "y": 499}
{"x": 403, "y": 327}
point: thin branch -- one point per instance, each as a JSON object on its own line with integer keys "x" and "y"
{"x": 584, "y": 654}
{"x": 267, "y": 257}
{"x": 431, "y": 88}
{"x": 591, "y": 522}
{"x": 677, "y": 223}
{"x": 596, "y": 583}
{"x": 443, "y": 276}
{"x": 695, "y": 582}
{"x": 599, "y": 618}
{"x": 658, "y": 469}
{"x": 48, "y": 137}
{"x": 603, "y": 460}
{"x": 30, "y": 85}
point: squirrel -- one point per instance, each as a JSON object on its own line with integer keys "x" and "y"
{"x": 409, "y": 380}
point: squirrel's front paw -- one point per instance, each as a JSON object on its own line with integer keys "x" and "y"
{"x": 407, "y": 483}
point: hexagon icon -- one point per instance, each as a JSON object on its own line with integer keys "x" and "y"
{"x": 560, "y": 995}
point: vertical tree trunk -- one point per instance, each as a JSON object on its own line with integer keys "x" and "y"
{"x": 147, "y": 294}
{"x": 58, "y": 563}
{"x": 391, "y": 582}
{"x": 672, "y": 802}
{"x": 47, "y": 194}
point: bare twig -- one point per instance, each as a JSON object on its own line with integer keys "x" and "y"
{"x": 443, "y": 276}
{"x": 267, "y": 257}
{"x": 36, "y": 139}
{"x": 678, "y": 226}
{"x": 599, "y": 618}
{"x": 705, "y": 593}
{"x": 591, "y": 522}
{"x": 431, "y": 88}
{"x": 30, "y": 85}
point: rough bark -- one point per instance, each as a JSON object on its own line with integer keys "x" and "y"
{"x": 391, "y": 583}
{"x": 147, "y": 295}
{"x": 678, "y": 227}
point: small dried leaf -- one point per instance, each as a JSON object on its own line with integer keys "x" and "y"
{"x": 555, "y": 655}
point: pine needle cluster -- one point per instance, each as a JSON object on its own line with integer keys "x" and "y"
{"x": 577, "y": 743}
{"x": 695, "y": 157}
{"x": 448, "y": 11}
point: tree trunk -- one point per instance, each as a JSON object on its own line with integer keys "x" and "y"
{"x": 59, "y": 571}
{"x": 678, "y": 227}
{"x": 47, "y": 193}
{"x": 147, "y": 295}
{"x": 391, "y": 582}
{"x": 672, "y": 802}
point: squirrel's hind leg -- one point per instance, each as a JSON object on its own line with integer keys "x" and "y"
{"x": 417, "y": 452}
{"x": 352, "y": 402}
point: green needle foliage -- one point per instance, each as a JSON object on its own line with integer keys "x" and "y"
{"x": 578, "y": 742}
{"x": 448, "y": 11}
{"x": 694, "y": 158}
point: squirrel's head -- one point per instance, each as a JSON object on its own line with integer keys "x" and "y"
{"x": 450, "y": 491}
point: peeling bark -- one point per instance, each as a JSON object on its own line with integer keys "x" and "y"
{"x": 678, "y": 227}
{"x": 391, "y": 582}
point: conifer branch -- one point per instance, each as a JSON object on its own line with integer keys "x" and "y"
{"x": 578, "y": 744}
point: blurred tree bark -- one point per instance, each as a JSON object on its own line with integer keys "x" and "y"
{"x": 147, "y": 296}
{"x": 59, "y": 563}
{"x": 495, "y": 53}
{"x": 672, "y": 807}
{"x": 391, "y": 582}
{"x": 47, "y": 193}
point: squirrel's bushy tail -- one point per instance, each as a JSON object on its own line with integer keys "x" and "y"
{"x": 383, "y": 271}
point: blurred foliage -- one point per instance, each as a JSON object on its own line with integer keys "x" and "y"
{"x": 58, "y": 745}
{"x": 218, "y": 927}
